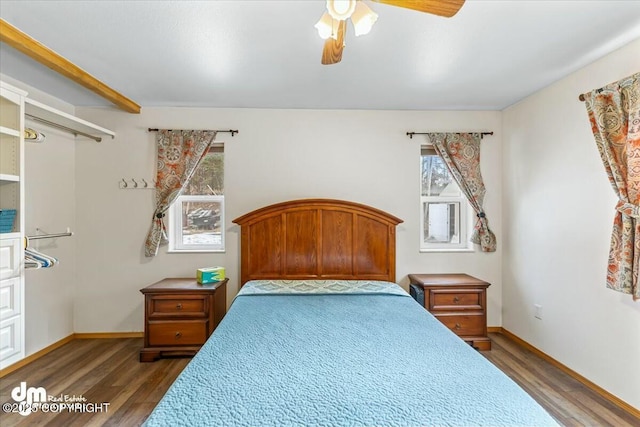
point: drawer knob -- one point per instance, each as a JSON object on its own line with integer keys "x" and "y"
{"x": 458, "y": 326}
{"x": 178, "y": 334}
{"x": 179, "y": 306}
{"x": 456, "y": 299}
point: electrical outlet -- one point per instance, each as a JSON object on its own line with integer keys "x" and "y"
{"x": 537, "y": 313}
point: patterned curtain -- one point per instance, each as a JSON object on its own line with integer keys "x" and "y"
{"x": 461, "y": 154}
{"x": 614, "y": 113}
{"x": 179, "y": 154}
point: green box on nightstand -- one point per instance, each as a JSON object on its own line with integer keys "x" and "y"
{"x": 210, "y": 275}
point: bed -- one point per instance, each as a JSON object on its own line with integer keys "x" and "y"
{"x": 321, "y": 335}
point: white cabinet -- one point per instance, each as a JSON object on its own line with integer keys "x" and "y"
{"x": 11, "y": 340}
{"x": 10, "y": 258}
{"x": 12, "y": 240}
{"x": 10, "y": 298}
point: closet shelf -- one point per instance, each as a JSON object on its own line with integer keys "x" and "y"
{"x": 9, "y": 131}
{"x": 5, "y": 178}
{"x": 12, "y": 235}
{"x": 72, "y": 123}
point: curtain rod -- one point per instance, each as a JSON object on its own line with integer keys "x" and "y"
{"x": 231, "y": 131}
{"x": 68, "y": 129}
{"x": 582, "y": 98}
{"x": 410, "y": 134}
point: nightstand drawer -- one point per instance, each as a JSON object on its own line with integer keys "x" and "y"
{"x": 456, "y": 299}
{"x": 188, "y": 332}
{"x": 161, "y": 306}
{"x": 464, "y": 325}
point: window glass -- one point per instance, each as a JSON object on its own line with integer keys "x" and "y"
{"x": 435, "y": 176}
{"x": 442, "y": 222}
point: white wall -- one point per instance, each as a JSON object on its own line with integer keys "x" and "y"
{"x": 362, "y": 156}
{"x": 558, "y": 212}
{"x": 50, "y": 207}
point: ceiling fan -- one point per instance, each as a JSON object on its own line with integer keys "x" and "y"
{"x": 333, "y": 24}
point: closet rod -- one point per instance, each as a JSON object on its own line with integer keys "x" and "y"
{"x": 231, "y": 131}
{"x": 410, "y": 134}
{"x": 50, "y": 236}
{"x": 68, "y": 129}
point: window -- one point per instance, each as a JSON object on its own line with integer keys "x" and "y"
{"x": 196, "y": 218}
{"x": 444, "y": 210}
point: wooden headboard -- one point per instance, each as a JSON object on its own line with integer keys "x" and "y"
{"x": 318, "y": 239}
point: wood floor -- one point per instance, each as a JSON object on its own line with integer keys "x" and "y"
{"x": 107, "y": 370}
{"x": 566, "y": 399}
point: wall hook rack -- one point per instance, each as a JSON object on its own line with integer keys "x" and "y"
{"x": 136, "y": 184}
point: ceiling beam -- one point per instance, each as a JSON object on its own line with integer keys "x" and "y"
{"x": 47, "y": 57}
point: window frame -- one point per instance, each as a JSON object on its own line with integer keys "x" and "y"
{"x": 465, "y": 218}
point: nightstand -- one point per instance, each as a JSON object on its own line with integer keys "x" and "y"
{"x": 459, "y": 301}
{"x": 180, "y": 315}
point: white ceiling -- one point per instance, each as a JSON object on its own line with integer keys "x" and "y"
{"x": 266, "y": 54}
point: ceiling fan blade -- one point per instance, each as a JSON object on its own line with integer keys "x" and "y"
{"x": 332, "y": 52}
{"x": 446, "y": 8}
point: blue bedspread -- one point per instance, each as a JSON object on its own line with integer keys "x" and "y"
{"x": 375, "y": 359}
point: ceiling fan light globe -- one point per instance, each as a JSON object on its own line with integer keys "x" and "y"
{"x": 363, "y": 19}
{"x": 327, "y": 27}
{"x": 341, "y": 9}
